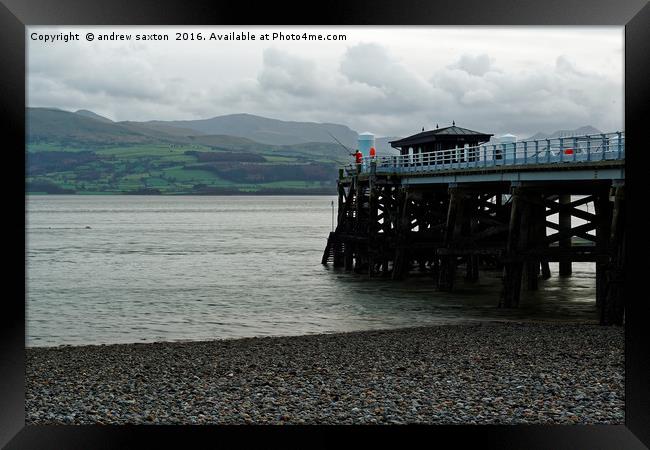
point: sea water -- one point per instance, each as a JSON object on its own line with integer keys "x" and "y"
{"x": 119, "y": 269}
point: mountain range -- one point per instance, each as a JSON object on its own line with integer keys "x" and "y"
{"x": 84, "y": 152}
{"x": 566, "y": 133}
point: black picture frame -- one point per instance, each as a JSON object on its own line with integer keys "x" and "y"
{"x": 16, "y": 14}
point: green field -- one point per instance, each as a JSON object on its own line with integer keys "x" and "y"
{"x": 168, "y": 169}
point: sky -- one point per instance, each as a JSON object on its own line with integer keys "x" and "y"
{"x": 391, "y": 81}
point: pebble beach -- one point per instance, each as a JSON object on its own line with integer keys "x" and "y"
{"x": 482, "y": 373}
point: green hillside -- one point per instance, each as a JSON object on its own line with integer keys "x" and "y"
{"x": 52, "y": 126}
{"x": 263, "y": 129}
{"x": 79, "y": 153}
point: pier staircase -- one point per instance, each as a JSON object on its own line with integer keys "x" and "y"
{"x": 334, "y": 249}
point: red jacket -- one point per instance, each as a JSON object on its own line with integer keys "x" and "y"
{"x": 358, "y": 157}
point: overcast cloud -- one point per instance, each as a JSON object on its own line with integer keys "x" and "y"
{"x": 387, "y": 80}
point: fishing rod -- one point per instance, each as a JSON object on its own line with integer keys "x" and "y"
{"x": 339, "y": 142}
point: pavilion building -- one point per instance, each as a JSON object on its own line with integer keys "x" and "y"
{"x": 442, "y": 139}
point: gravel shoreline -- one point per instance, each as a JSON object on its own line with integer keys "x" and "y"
{"x": 486, "y": 373}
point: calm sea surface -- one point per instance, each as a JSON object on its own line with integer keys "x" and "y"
{"x": 117, "y": 269}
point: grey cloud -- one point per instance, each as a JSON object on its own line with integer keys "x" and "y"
{"x": 286, "y": 73}
{"x": 477, "y": 96}
{"x": 475, "y": 65}
{"x": 369, "y": 90}
{"x": 555, "y": 97}
{"x": 372, "y": 65}
{"x": 127, "y": 77}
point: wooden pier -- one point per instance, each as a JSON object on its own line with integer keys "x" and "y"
{"x": 437, "y": 213}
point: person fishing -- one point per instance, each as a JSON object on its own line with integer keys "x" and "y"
{"x": 358, "y": 157}
{"x": 373, "y": 160}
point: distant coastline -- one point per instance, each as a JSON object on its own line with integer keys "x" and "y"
{"x": 83, "y": 153}
{"x": 264, "y": 192}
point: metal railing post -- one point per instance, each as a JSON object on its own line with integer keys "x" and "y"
{"x": 575, "y": 148}
{"x": 525, "y": 152}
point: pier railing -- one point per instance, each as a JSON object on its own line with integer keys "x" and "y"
{"x": 564, "y": 150}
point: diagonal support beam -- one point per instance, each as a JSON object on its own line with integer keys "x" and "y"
{"x": 554, "y": 207}
{"x": 570, "y": 232}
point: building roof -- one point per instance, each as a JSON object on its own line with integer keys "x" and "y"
{"x": 439, "y": 134}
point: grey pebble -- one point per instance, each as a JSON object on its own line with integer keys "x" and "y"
{"x": 508, "y": 373}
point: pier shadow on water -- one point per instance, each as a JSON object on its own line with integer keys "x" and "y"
{"x": 418, "y": 302}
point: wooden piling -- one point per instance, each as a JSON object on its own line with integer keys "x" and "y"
{"x": 400, "y": 262}
{"x": 512, "y": 268}
{"x": 348, "y": 256}
{"x": 452, "y": 231}
{"x": 612, "y": 311}
{"x": 564, "y": 222}
{"x": 536, "y": 231}
{"x": 373, "y": 226}
{"x": 546, "y": 270}
{"x": 603, "y": 209}
{"x": 471, "y": 220}
{"x": 472, "y": 268}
